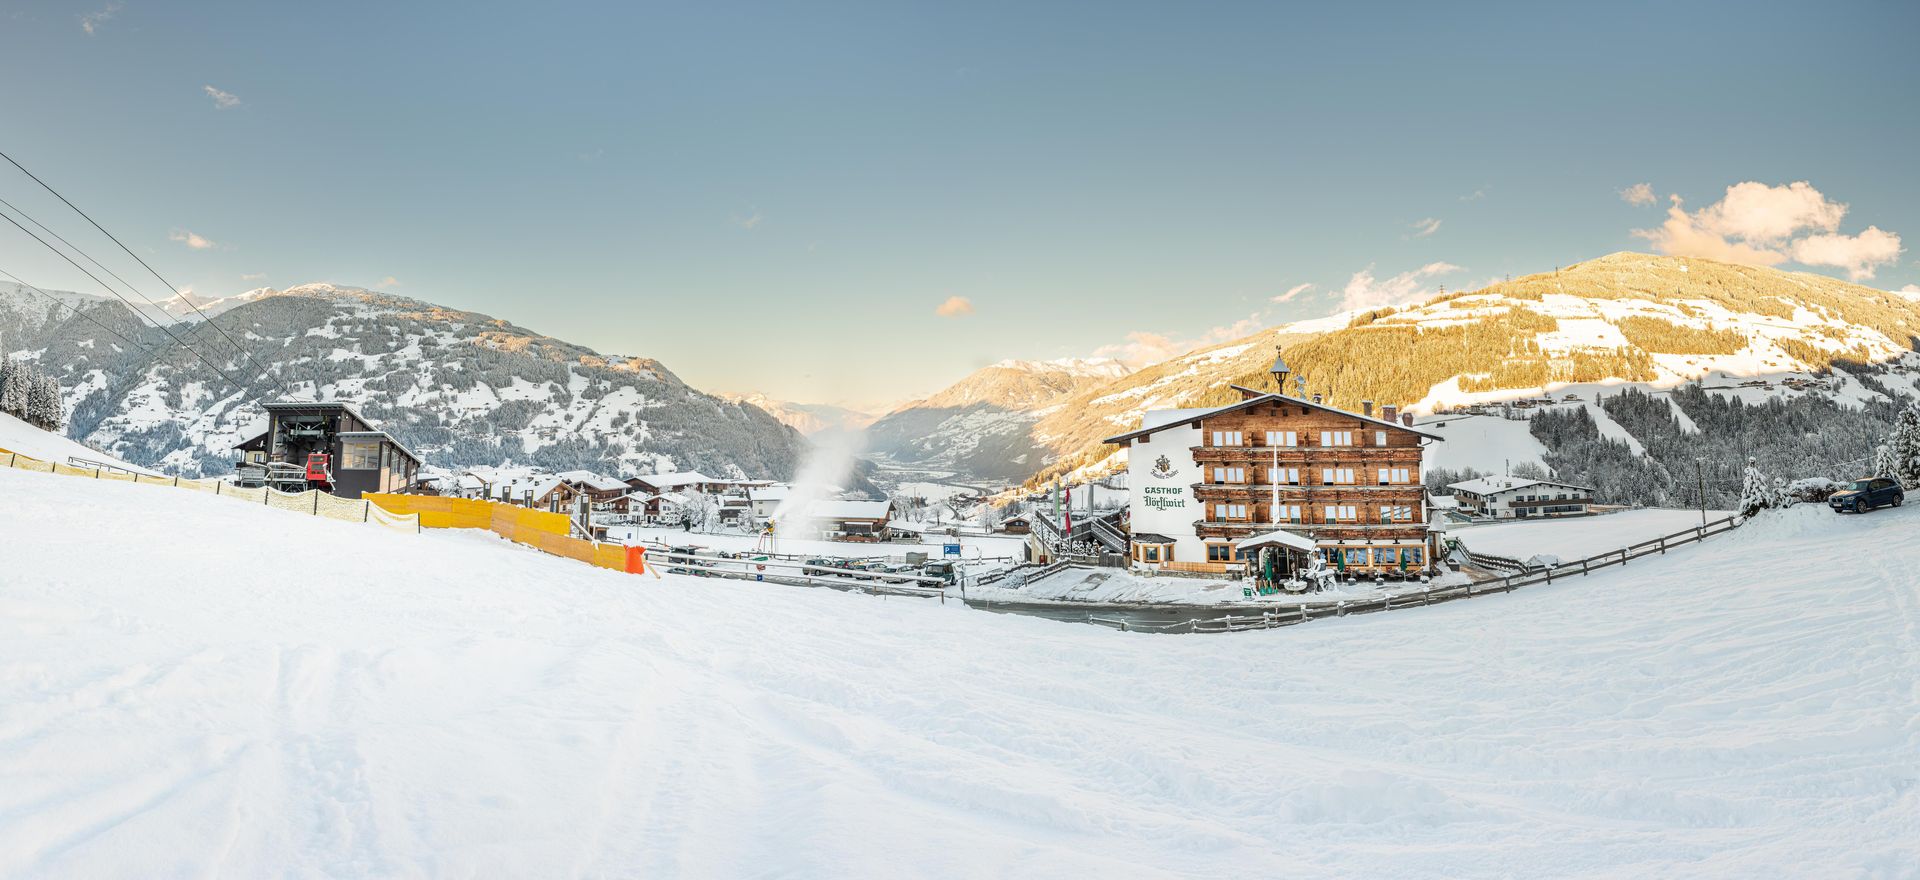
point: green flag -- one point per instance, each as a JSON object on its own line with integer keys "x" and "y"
{"x": 1339, "y": 559}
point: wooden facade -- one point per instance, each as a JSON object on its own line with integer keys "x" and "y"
{"x": 1350, "y": 482}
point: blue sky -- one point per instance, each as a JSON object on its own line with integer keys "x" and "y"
{"x": 781, "y": 198}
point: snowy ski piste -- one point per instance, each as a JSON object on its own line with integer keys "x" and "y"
{"x": 191, "y": 686}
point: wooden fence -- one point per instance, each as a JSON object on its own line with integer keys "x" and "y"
{"x": 1312, "y": 611}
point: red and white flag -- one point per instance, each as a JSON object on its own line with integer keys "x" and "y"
{"x": 1068, "y": 515}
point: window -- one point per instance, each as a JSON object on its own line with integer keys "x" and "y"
{"x": 1283, "y": 476}
{"x": 1356, "y": 556}
{"x": 1336, "y": 438}
{"x": 1150, "y": 553}
{"x": 1229, "y": 511}
{"x": 1379, "y": 438}
{"x": 1219, "y": 552}
{"x": 1395, "y": 475}
{"x": 1282, "y": 438}
{"x": 1229, "y": 475}
{"x": 360, "y": 455}
{"x": 1226, "y": 438}
{"x": 1383, "y": 556}
{"x": 1336, "y": 476}
{"x": 1414, "y": 555}
{"x": 1287, "y": 513}
{"x": 1342, "y": 513}
{"x": 1395, "y": 513}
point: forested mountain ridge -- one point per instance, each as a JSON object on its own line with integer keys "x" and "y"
{"x": 459, "y": 387}
{"x": 1624, "y": 318}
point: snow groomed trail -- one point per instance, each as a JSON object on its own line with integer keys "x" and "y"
{"x": 177, "y": 699}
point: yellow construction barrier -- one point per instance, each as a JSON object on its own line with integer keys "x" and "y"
{"x": 539, "y": 529}
{"x": 311, "y": 501}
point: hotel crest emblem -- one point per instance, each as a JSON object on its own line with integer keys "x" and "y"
{"x": 1162, "y": 468}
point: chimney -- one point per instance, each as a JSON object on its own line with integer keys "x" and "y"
{"x": 1406, "y": 419}
{"x": 1316, "y": 397}
{"x": 1366, "y": 408}
{"x": 1390, "y": 413}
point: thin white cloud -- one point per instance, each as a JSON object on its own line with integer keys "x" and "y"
{"x": 1859, "y": 254}
{"x": 91, "y": 21}
{"x": 1426, "y": 227}
{"x": 750, "y": 221}
{"x": 254, "y": 276}
{"x": 388, "y": 282}
{"x": 1364, "y": 291}
{"x": 954, "y": 307}
{"x": 1638, "y": 195}
{"x": 1911, "y": 291}
{"x": 1474, "y": 196}
{"x": 222, "y": 100}
{"x": 1760, "y": 225}
{"x": 1143, "y": 347}
{"x": 1293, "y": 291}
{"x": 192, "y": 240}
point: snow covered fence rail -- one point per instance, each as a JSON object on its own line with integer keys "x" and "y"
{"x": 311, "y": 502}
{"x": 801, "y": 574}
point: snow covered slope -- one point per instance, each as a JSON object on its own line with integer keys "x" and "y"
{"x": 18, "y": 436}
{"x": 451, "y": 705}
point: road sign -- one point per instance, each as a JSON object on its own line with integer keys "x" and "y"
{"x": 950, "y": 549}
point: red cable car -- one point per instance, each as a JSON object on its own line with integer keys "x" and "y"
{"x": 320, "y": 471}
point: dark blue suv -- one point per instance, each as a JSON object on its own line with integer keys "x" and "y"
{"x": 1864, "y": 495}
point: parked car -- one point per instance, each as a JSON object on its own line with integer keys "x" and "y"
{"x": 1865, "y": 494}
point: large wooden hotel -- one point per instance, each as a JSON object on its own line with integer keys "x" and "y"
{"x": 1204, "y": 480}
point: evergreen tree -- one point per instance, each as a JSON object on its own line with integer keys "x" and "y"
{"x": 13, "y": 391}
{"x": 1899, "y": 456}
{"x": 1757, "y": 493}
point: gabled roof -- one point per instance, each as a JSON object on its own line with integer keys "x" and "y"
{"x": 677, "y": 478}
{"x": 843, "y": 509}
{"x": 1490, "y": 485}
{"x": 1281, "y": 537}
{"x": 1259, "y": 398}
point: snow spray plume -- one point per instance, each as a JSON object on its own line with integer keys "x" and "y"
{"x": 823, "y": 473}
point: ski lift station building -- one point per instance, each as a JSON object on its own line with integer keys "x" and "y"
{"x": 1200, "y": 481}
{"x": 362, "y": 458}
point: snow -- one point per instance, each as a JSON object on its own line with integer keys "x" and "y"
{"x": 1578, "y": 537}
{"x": 1489, "y": 444}
{"x": 18, "y": 436}
{"x": 452, "y": 705}
{"x": 1098, "y": 585}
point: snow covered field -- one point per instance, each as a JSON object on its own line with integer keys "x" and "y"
{"x": 1117, "y": 585}
{"x": 1581, "y": 536}
{"x": 972, "y": 546}
{"x": 450, "y": 705}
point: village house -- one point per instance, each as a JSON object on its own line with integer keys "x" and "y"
{"x": 685, "y": 482}
{"x": 600, "y": 492}
{"x": 1203, "y": 480}
{"x": 844, "y": 520}
{"x": 354, "y": 457}
{"x": 1521, "y": 498}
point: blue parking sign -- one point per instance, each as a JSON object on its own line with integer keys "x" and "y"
{"x": 950, "y": 549}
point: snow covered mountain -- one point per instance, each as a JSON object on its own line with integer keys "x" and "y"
{"x": 982, "y": 425}
{"x": 1619, "y": 321}
{"x": 807, "y": 418}
{"x": 459, "y": 387}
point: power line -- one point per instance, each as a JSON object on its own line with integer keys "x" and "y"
{"x": 76, "y": 249}
{"x": 143, "y": 264}
{"x": 57, "y": 301}
{"x": 104, "y": 286}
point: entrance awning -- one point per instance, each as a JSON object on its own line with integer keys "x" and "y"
{"x": 1281, "y": 538}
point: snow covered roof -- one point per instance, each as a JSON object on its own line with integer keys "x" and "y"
{"x": 677, "y": 478}
{"x": 1443, "y": 502}
{"x": 1492, "y": 485}
{"x": 593, "y": 481}
{"x": 770, "y": 493}
{"x": 1281, "y": 537}
{"x": 1155, "y": 420}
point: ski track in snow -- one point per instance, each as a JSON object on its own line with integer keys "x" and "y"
{"x": 286, "y": 696}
